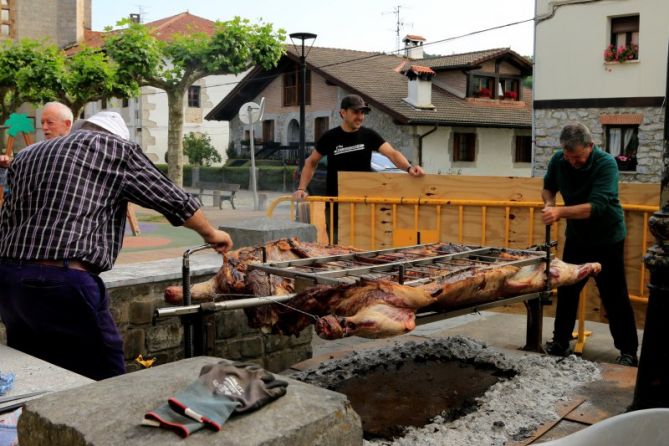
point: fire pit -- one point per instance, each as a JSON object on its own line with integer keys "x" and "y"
{"x": 452, "y": 391}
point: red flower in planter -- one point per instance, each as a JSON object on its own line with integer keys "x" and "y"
{"x": 511, "y": 95}
{"x": 484, "y": 93}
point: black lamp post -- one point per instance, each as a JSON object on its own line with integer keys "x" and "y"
{"x": 652, "y": 382}
{"x": 303, "y": 89}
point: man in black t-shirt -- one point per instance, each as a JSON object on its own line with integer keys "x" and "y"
{"x": 349, "y": 148}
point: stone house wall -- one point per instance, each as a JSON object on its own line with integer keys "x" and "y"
{"x": 549, "y": 123}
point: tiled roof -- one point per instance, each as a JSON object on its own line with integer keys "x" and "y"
{"x": 419, "y": 69}
{"x": 464, "y": 59}
{"x": 163, "y": 29}
{"x": 373, "y": 76}
{"x": 413, "y": 37}
{"x": 378, "y": 79}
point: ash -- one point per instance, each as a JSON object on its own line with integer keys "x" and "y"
{"x": 510, "y": 410}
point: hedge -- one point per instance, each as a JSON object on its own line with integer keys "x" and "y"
{"x": 272, "y": 178}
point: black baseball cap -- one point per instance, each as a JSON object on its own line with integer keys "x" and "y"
{"x": 354, "y": 102}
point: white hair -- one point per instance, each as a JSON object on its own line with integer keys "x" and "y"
{"x": 62, "y": 110}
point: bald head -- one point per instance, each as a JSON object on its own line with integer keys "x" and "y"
{"x": 56, "y": 120}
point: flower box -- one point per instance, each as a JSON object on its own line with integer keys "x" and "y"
{"x": 512, "y": 95}
{"x": 621, "y": 54}
{"x": 484, "y": 93}
{"x": 626, "y": 163}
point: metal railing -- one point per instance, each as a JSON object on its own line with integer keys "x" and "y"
{"x": 440, "y": 203}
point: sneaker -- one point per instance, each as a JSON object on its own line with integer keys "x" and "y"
{"x": 555, "y": 348}
{"x": 628, "y": 360}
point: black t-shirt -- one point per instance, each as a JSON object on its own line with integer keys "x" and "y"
{"x": 347, "y": 151}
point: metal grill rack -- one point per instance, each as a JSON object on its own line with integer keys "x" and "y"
{"x": 410, "y": 265}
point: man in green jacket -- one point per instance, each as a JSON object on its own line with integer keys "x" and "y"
{"x": 587, "y": 179}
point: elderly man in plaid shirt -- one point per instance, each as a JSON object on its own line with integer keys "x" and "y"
{"x": 62, "y": 225}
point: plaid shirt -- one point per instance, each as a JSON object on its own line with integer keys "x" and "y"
{"x": 69, "y": 198}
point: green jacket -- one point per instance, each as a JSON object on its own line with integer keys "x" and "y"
{"x": 595, "y": 183}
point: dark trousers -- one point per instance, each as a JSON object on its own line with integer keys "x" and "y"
{"x": 612, "y": 288}
{"x": 60, "y": 315}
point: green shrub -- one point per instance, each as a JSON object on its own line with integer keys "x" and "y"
{"x": 199, "y": 149}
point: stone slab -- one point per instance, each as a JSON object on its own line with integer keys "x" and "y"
{"x": 206, "y": 262}
{"x": 256, "y": 231}
{"x": 34, "y": 375}
{"x": 109, "y": 413}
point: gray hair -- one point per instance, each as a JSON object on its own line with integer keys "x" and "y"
{"x": 575, "y": 135}
{"x": 62, "y": 110}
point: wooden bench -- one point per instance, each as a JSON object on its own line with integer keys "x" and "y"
{"x": 219, "y": 192}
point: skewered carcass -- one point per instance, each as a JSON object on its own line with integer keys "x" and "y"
{"x": 377, "y": 307}
{"x": 231, "y": 278}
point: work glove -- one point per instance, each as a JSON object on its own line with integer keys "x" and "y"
{"x": 166, "y": 418}
{"x": 247, "y": 384}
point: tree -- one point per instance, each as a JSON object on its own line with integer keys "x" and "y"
{"x": 21, "y": 63}
{"x": 234, "y": 46}
{"x": 199, "y": 150}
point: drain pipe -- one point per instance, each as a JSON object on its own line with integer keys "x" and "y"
{"x": 420, "y": 144}
{"x": 652, "y": 380}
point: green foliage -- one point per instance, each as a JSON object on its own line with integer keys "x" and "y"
{"x": 175, "y": 65}
{"x": 28, "y": 70}
{"x": 199, "y": 150}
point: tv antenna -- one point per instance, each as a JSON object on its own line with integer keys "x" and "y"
{"x": 399, "y": 25}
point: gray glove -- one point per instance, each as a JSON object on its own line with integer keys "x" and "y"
{"x": 247, "y": 384}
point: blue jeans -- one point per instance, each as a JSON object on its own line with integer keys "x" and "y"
{"x": 60, "y": 315}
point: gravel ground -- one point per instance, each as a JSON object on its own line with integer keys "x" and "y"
{"x": 510, "y": 410}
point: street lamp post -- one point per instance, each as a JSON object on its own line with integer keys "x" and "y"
{"x": 652, "y": 381}
{"x": 303, "y": 90}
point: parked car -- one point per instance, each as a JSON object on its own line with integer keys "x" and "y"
{"x": 380, "y": 163}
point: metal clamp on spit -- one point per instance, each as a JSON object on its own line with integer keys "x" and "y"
{"x": 546, "y": 298}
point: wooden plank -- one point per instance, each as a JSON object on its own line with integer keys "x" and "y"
{"x": 607, "y": 397}
{"x": 562, "y": 408}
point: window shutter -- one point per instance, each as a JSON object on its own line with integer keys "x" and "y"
{"x": 625, "y": 24}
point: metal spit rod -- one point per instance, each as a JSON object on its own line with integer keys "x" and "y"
{"x": 162, "y": 313}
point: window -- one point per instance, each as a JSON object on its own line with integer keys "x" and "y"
{"x": 268, "y": 131}
{"x": 483, "y": 86}
{"x": 464, "y": 146}
{"x": 509, "y": 89}
{"x": 194, "y": 96}
{"x": 523, "y": 149}
{"x": 321, "y": 125}
{"x": 124, "y": 103}
{"x": 623, "y": 142}
{"x": 625, "y": 30}
{"x": 292, "y": 85}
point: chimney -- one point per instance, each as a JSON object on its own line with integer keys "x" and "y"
{"x": 413, "y": 46}
{"x": 135, "y": 18}
{"x": 420, "y": 86}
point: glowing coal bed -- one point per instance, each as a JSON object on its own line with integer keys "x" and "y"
{"x": 453, "y": 391}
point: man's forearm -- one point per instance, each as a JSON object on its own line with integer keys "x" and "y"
{"x": 576, "y": 212}
{"x": 548, "y": 197}
{"x": 199, "y": 223}
{"x": 307, "y": 175}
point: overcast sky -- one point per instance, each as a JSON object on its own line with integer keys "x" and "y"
{"x": 356, "y": 24}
